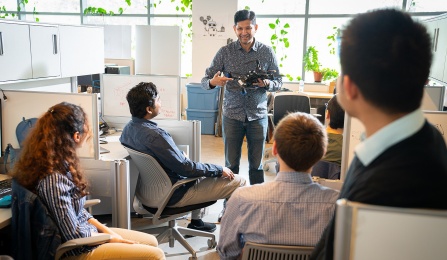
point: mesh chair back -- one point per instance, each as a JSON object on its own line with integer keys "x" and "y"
{"x": 327, "y": 170}
{"x": 153, "y": 183}
{"x": 289, "y": 102}
{"x": 255, "y": 251}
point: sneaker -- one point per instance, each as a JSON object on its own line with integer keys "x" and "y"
{"x": 207, "y": 227}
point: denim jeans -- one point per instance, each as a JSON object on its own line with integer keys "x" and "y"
{"x": 233, "y": 136}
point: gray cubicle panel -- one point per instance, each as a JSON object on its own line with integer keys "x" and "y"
{"x": 353, "y": 129}
{"x": 114, "y": 89}
{"x": 433, "y": 98}
{"x": 367, "y": 232}
{"x": 28, "y": 104}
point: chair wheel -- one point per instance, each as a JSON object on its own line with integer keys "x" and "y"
{"x": 212, "y": 243}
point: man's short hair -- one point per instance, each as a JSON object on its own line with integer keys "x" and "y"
{"x": 300, "y": 140}
{"x": 140, "y": 97}
{"x": 388, "y": 55}
{"x": 243, "y": 15}
{"x": 336, "y": 113}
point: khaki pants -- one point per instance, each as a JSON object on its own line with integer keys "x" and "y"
{"x": 146, "y": 249}
{"x": 209, "y": 189}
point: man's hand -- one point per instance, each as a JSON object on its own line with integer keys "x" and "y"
{"x": 217, "y": 80}
{"x": 227, "y": 173}
{"x": 262, "y": 83}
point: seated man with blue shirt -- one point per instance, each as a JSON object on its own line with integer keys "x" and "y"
{"x": 291, "y": 210}
{"x": 143, "y": 134}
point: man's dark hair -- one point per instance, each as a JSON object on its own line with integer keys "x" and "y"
{"x": 300, "y": 140}
{"x": 388, "y": 55}
{"x": 140, "y": 97}
{"x": 336, "y": 113}
{"x": 243, "y": 15}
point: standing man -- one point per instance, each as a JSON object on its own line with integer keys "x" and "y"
{"x": 244, "y": 109}
{"x": 402, "y": 162}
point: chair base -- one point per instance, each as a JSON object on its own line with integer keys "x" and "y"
{"x": 174, "y": 232}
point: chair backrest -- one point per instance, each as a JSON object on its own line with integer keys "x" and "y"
{"x": 34, "y": 233}
{"x": 153, "y": 183}
{"x": 327, "y": 170}
{"x": 288, "y": 102}
{"x": 255, "y": 251}
{"x": 364, "y": 231}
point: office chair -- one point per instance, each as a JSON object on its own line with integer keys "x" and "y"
{"x": 289, "y": 102}
{"x": 26, "y": 237}
{"x": 367, "y": 232}
{"x": 255, "y": 251}
{"x": 153, "y": 191}
{"x": 326, "y": 170}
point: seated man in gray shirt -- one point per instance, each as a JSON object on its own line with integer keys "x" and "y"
{"x": 290, "y": 210}
{"x": 143, "y": 134}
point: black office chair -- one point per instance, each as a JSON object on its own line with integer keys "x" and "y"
{"x": 29, "y": 239}
{"x": 153, "y": 191}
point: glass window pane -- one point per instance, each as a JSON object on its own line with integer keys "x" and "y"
{"x": 114, "y": 20}
{"x": 350, "y": 6}
{"x": 186, "y": 51}
{"x": 56, "y": 19}
{"x": 136, "y": 7}
{"x": 274, "y": 6}
{"x": 289, "y": 58}
{"x": 8, "y": 6}
{"x": 66, "y": 6}
{"x": 168, "y": 7}
{"x": 318, "y": 31}
{"x": 426, "y": 6}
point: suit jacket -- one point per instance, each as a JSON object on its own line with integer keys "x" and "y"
{"x": 411, "y": 174}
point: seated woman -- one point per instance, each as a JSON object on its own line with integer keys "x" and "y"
{"x": 50, "y": 167}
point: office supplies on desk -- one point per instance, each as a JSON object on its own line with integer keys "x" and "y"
{"x": 5, "y": 192}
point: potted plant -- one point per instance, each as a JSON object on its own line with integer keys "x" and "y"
{"x": 311, "y": 63}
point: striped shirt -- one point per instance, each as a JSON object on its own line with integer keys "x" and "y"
{"x": 291, "y": 210}
{"x": 233, "y": 61}
{"x": 63, "y": 201}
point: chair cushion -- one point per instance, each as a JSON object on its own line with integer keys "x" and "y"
{"x": 169, "y": 211}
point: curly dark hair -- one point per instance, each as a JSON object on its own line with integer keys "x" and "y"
{"x": 140, "y": 97}
{"x": 50, "y": 148}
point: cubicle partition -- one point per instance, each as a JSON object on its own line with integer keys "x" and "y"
{"x": 28, "y": 104}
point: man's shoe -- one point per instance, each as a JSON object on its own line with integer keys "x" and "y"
{"x": 207, "y": 227}
{"x": 219, "y": 218}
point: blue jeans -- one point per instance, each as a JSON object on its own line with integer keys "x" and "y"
{"x": 233, "y": 136}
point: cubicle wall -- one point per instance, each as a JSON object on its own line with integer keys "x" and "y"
{"x": 28, "y": 104}
{"x": 433, "y": 98}
{"x": 353, "y": 130}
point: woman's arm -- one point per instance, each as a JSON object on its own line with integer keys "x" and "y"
{"x": 104, "y": 229}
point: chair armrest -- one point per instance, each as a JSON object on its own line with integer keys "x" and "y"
{"x": 174, "y": 187}
{"x": 92, "y": 202}
{"x": 316, "y": 115}
{"x": 78, "y": 242}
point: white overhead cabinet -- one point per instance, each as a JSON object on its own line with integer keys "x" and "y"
{"x": 45, "y": 52}
{"x": 82, "y": 50}
{"x": 35, "y": 51}
{"x": 437, "y": 28}
{"x": 15, "y": 52}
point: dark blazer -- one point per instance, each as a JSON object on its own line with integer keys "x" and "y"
{"x": 411, "y": 174}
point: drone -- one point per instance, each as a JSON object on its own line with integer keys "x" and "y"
{"x": 246, "y": 81}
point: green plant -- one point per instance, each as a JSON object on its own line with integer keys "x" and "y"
{"x": 101, "y": 11}
{"x": 329, "y": 74}
{"x": 4, "y": 13}
{"x": 310, "y": 60}
{"x": 333, "y": 39}
{"x": 311, "y": 63}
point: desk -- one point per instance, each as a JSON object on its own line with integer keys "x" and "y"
{"x": 322, "y": 95}
{"x": 5, "y": 213}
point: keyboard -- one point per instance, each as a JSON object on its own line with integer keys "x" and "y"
{"x": 5, "y": 187}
